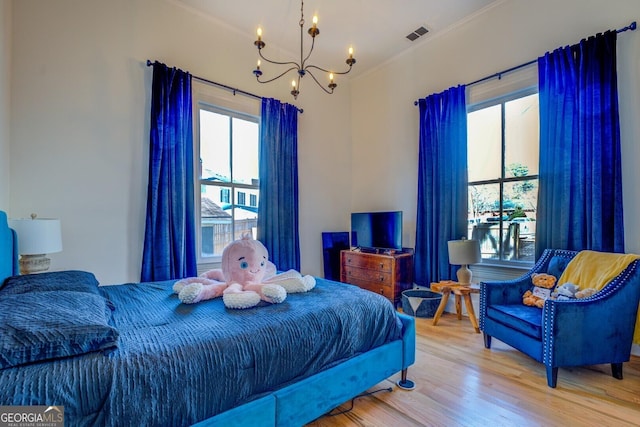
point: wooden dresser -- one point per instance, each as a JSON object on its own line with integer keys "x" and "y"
{"x": 385, "y": 274}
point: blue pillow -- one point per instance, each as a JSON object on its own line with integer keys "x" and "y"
{"x": 557, "y": 265}
{"x": 70, "y": 280}
{"x": 53, "y": 324}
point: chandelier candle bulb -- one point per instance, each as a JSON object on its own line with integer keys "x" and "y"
{"x": 294, "y": 91}
{"x": 350, "y": 61}
{"x": 259, "y": 43}
{"x": 257, "y": 71}
{"x": 332, "y": 84}
{"x": 314, "y": 31}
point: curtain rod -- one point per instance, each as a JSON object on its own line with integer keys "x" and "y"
{"x": 630, "y": 27}
{"x": 223, "y": 86}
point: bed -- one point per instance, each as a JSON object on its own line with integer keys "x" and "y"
{"x": 132, "y": 353}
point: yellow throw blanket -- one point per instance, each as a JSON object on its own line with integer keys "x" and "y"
{"x": 591, "y": 269}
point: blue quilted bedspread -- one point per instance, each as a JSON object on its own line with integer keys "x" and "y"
{"x": 177, "y": 364}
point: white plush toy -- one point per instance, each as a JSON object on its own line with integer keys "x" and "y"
{"x": 565, "y": 291}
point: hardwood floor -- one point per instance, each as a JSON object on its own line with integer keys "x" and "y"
{"x": 460, "y": 383}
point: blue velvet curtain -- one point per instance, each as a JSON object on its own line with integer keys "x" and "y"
{"x": 278, "y": 207}
{"x": 580, "y": 192}
{"x": 169, "y": 240}
{"x": 442, "y": 183}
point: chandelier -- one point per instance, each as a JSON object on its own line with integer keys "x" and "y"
{"x": 302, "y": 68}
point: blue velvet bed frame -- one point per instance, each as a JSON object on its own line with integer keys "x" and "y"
{"x": 301, "y": 402}
{"x": 313, "y": 397}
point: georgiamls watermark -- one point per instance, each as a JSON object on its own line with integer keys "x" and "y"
{"x": 32, "y": 416}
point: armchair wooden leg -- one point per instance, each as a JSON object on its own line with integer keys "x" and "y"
{"x": 552, "y": 376}
{"x": 487, "y": 340}
{"x": 616, "y": 370}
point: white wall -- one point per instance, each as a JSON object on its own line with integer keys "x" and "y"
{"x": 385, "y": 120}
{"x": 5, "y": 66}
{"x": 79, "y": 115}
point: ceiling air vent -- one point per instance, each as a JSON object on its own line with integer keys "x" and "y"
{"x": 417, "y": 33}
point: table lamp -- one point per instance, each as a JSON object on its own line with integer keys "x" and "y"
{"x": 464, "y": 252}
{"x": 36, "y": 238}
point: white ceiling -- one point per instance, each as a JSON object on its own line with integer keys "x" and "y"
{"x": 376, "y": 29}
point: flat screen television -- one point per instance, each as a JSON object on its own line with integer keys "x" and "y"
{"x": 373, "y": 231}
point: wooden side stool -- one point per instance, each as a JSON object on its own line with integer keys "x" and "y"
{"x": 460, "y": 291}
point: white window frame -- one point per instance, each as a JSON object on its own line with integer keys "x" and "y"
{"x": 516, "y": 84}
{"x": 218, "y": 100}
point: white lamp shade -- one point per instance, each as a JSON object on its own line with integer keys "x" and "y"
{"x": 37, "y": 236}
{"x": 464, "y": 252}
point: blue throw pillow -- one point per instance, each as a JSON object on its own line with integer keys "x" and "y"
{"x": 557, "y": 265}
{"x": 70, "y": 280}
{"x": 52, "y": 325}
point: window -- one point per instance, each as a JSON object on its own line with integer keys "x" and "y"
{"x": 242, "y": 198}
{"x": 503, "y": 139}
{"x": 225, "y": 195}
{"x": 227, "y": 143}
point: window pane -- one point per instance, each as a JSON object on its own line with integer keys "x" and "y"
{"x": 484, "y": 218}
{"x": 214, "y": 146}
{"x": 521, "y": 136}
{"x": 245, "y": 222}
{"x": 484, "y": 202}
{"x": 510, "y": 236}
{"x": 522, "y": 197}
{"x": 245, "y": 152}
{"x": 215, "y": 221}
{"x": 484, "y": 143}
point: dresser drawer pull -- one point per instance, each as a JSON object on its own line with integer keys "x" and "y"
{"x": 381, "y": 291}
{"x": 381, "y": 278}
{"x": 381, "y": 265}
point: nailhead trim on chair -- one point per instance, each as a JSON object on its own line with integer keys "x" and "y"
{"x": 549, "y": 314}
{"x": 483, "y": 304}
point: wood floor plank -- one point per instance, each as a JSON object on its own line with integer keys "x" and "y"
{"x": 460, "y": 383}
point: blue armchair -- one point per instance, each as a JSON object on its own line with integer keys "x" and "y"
{"x": 590, "y": 331}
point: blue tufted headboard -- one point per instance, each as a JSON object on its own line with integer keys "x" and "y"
{"x": 8, "y": 250}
